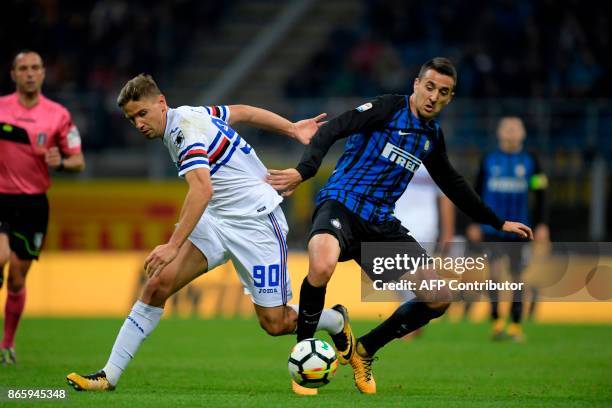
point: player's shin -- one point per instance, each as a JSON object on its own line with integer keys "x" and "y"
{"x": 141, "y": 321}
{"x": 15, "y": 302}
{"x": 330, "y": 321}
{"x": 407, "y": 318}
{"x": 312, "y": 300}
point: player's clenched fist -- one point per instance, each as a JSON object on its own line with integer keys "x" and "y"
{"x": 161, "y": 256}
{"x": 53, "y": 158}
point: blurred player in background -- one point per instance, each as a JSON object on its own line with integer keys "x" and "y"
{"x": 36, "y": 134}
{"x": 388, "y": 139}
{"x": 508, "y": 176}
{"x": 429, "y": 216}
{"x": 229, "y": 212}
{"x": 426, "y": 212}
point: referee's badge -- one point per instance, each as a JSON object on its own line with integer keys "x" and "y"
{"x": 336, "y": 223}
{"x": 41, "y": 139}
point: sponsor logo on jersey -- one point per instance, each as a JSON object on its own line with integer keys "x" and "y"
{"x": 364, "y": 107}
{"x": 401, "y": 157}
{"x": 507, "y": 185}
{"x": 29, "y": 120}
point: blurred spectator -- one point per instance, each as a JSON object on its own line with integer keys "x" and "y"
{"x": 503, "y": 48}
{"x": 90, "y": 47}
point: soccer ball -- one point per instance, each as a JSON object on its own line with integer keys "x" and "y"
{"x": 312, "y": 363}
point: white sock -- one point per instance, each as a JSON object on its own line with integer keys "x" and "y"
{"x": 137, "y": 326}
{"x": 331, "y": 321}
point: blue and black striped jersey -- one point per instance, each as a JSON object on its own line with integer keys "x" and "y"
{"x": 386, "y": 144}
{"x": 505, "y": 182}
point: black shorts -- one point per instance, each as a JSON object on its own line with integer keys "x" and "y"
{"x": 515, "y": 250}
{"x": 351, "y": 230}
{"x": 24, "y": 218}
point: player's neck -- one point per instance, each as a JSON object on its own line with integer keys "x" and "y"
{"x": 164, "y": 122}
{"x": 510, "y": 149}
{"x": 29, "y": 100}
{"x": 413, "y": 106}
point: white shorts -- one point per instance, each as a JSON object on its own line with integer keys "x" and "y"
{"x": 257, "y": 248}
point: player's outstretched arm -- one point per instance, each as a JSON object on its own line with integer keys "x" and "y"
{"x": 302, "y": 130}
{"x": 366, "y": 116}
{"x": 196, "y": 200}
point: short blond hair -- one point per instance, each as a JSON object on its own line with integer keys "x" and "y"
{"x": 141, "y": 86}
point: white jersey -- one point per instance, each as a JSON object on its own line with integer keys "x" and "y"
{"x": 417, "y": 208}
{"x": 199, "y": 137}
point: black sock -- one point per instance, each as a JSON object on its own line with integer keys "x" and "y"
{"x": 516, "y": 310}
{"x": 494, "y": 296}
{"x": 312, "y": 300}
{"x": 407, "y": 318}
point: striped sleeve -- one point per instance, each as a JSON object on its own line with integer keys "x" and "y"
{"x": 220, "y": 111}
{"x": 192, "y": 157}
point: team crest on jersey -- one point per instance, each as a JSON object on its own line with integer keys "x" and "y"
{"x": 336, "y": 223}
{"x": 364, "y": 107}
{"x": 177, "y": 137}
{"x": 520, "y": 170}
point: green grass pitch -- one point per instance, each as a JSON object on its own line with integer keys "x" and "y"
{"x": 190, "y": 362}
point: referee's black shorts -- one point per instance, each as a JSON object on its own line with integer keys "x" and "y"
{"x": 24, "y": 218}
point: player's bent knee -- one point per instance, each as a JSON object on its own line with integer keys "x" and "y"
{"x": 5, "y": 249}
{"x": 322, "y": 269}
{"x": 157, "y": 291}
{"x": 320, "y": 274}
{"x": 274, "y": 328}
{"x": 15, "y": 284}
{"x": 4, "y": 257}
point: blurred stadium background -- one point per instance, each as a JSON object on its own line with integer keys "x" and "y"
{"x": 545, "y": 61}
